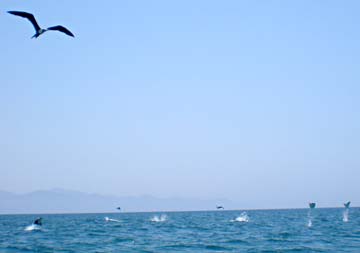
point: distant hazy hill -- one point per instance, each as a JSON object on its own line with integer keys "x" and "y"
{"x": 64, "y": 201}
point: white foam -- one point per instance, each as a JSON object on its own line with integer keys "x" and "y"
{"x": 160, "y": 218}
{"x": 242, "y": 218}
{"x": 32, "y": 227}
{"x": 109, "y": 219}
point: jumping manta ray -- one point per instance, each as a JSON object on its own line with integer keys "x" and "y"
{"x": 38, "y": 222}
{"x": 38, "y": 29}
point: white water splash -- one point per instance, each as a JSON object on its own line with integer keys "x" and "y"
{"x": 242, "y": 218}
{"x": 346, "y": 215}
{"x": 32, "y": 227}
{"x": 160, "y": 218}
{"x": 109, "y": 219}
{"x": 309, "y": 223}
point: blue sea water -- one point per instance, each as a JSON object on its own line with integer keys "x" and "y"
{"x": 322, "y": 230}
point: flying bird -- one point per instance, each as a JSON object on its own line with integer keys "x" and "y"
{"x": 38, "y": 29}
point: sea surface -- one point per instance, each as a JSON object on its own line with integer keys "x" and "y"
{"x": 297, "y": 230}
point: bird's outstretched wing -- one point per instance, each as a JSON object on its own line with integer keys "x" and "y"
{"x": 29, "y": 16}
{"x": 61, "y": 29}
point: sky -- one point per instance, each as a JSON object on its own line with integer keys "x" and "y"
{"x": 253, "y": 101}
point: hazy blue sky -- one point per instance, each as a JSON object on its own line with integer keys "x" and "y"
{"x": 254, "y": 101}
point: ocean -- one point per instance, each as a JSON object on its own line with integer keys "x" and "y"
{"x": 295, "y": 230}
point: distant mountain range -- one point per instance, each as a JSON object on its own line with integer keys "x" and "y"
{"x": 65, "y": 201}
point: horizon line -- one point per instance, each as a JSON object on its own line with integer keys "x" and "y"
{"x": 182, "y": 211}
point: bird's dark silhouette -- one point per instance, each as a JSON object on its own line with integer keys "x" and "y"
{"x": 38, "y": 29}
{"x": 220, "y": 207}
